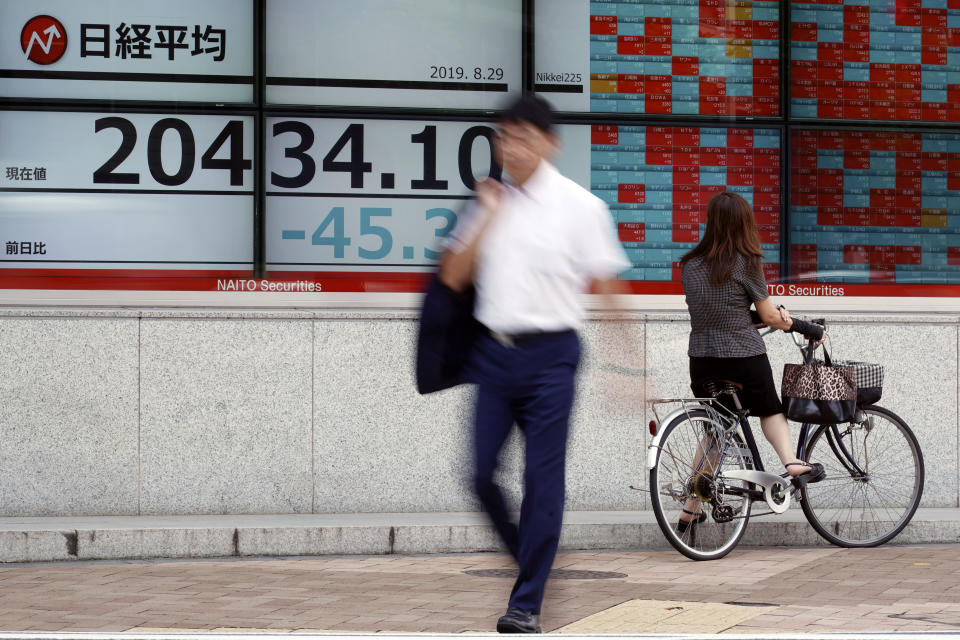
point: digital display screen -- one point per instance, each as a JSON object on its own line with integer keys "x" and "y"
{"x": 353, "y": 200}
{"x": 657, "y": 182}
{"x": 133, "y": 50}
{"x": 398, "y": 53}
{"x": 875, "y": 60}
{"x": 683, "y": 57}
{"x": 875, "y": 207}
{"x": 356, "y": 199}
{"x": 110, "y": 196}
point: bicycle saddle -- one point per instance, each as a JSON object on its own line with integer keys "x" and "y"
{"x": 717, "y": 387}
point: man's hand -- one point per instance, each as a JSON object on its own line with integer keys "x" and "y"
{"x": 489, "y": 194}
{"x": 456, "y": 267}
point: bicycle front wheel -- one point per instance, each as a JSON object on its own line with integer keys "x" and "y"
{"x": 692, "y": 455}
{"x": 874, "y": 480}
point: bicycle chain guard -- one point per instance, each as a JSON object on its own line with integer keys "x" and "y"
{"x": 776, "y": 490}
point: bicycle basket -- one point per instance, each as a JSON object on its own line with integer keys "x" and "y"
{"x": 869, "y": 377}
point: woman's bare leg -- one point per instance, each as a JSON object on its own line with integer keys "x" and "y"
{"x": 777, "y": 433}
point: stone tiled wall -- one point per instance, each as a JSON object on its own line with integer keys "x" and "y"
{"x": 122, "y": 412}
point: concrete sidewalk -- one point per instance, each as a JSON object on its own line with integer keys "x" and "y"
{"x": 753, "y": 590}
{"x": 36, "y": 539}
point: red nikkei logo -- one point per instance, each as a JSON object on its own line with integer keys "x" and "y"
{"x": 43, "y": 39}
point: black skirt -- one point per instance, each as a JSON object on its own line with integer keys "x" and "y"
{"x": 759, "y": 393}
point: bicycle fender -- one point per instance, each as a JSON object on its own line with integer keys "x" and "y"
{"x": 654, "y": 445}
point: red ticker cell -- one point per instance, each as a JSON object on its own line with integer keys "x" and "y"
{"x": 635, "y": 193}
{"x": 686, "y": 233}
{"x": 631, "y": 232}
{"x": 603, "y": 25}
{"x": 689, "y": 66}
{"x": 658, "y": 27}
{"x": 686, "y": 175}
{"x": 883, "y": 217}
{"x": 934, "y": 37}
{"x": 686, "y": 212}
{"x": 766, "y": 30}
{"x": 908, "y": 219}
{"x": 803, "y": 31}
{"x": 908, "y": 255}
{"x": 856, "y": 254}
{"x": 604, "y": 134}
{"x": 953, "y": 255}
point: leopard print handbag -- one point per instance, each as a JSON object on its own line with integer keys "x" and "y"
{"x": 819, "y": 392}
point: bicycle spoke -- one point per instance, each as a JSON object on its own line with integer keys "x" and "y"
{"x": 863, "y": 511}
{"x": 690, "y": 459}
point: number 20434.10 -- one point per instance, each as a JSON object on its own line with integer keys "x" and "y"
{"x": 331, "y": 232}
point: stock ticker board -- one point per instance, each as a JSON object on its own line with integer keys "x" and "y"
{"x": 657, "y": 182}
{"x": 875, "y": 59}
{"x": 696, "y": 57}
{"x": 877, "y": 207}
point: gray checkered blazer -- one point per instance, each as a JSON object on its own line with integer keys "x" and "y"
{"x": 720, "y": 316}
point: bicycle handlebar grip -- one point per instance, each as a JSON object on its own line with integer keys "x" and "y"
{"x": 811, "y": 330}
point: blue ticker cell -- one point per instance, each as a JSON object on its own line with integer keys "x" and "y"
{"x": 685, "y": 31}
{"x": 654, "y": 216}
{"x": 631, "y": 67}
{"x": 659, "y": 235}
{"x": 659, "y": 68}
{"x": 603, "y": 66}
{"x": 658, "y": 275}
{"x": 659, "y": 11}
{"x": 766, "y": 141}
{"x": 711, "y": 178}
{"x": 829, "y": 161}
{"x": 856, "y": 200}
{"x": 930, "y": 95}
{"x": 713, "y": 139}
{"x": 882, "y": 56}
{"x": 933, "y": 144}
{"x": 828, "y": 15}
{"x": 934, "y": 77}
{"x": 883, "y": 38}
{"x": 856, "y": 75}
{"x": 659, "y": 197}
{"x": 804, "y": 51}
{"x": 631, "y": 10}
{"x": 766, "y": 51}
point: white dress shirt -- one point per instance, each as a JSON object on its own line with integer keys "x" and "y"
{"x": 548, "y": 241}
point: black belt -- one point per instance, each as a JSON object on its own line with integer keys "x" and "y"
{"x": 525, "y": 338}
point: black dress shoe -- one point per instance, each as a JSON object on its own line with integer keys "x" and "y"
{"x": 517, "y": 620}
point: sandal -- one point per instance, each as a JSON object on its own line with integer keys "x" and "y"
{"x": 816, "y": 473}
{"x": 682, "y": 525}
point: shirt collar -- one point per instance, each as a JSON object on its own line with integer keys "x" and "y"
{"x": 538, "y": 183}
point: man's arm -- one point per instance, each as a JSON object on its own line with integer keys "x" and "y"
{"x": 457, "y": 267}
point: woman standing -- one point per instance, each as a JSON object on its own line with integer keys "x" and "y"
{"x": 722, "y": 276}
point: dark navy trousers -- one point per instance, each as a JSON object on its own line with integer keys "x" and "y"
{"x": 532, "y": 385}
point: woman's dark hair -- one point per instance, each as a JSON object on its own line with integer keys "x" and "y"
{"x": 731, "y": 232}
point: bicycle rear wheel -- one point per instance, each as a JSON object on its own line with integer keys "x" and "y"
{"x": 869, "y": 506}
{"x": 693, "y": 452}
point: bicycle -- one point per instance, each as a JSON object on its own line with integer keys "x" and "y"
{"x": 706, "y": 450}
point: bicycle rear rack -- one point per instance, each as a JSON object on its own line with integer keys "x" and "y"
{"x": 715, "y": 410}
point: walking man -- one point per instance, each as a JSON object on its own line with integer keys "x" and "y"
{"x": 530, "y": 247}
